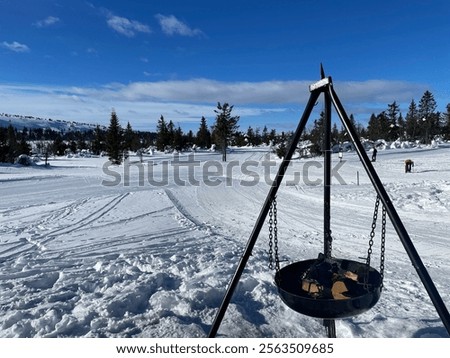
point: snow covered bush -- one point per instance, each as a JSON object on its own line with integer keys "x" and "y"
{"x": 24, "y": 159}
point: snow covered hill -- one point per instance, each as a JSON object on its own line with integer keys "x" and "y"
{"x": 92, "y": 250}
{"x": 19, "y": 122}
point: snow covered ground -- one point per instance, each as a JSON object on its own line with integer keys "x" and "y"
{"x": 90, "y": 250}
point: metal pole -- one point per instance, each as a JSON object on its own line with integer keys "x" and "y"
{"x": 262, "y": 216}
{"x": 395, "y": 219}
{"x": 327, "y": 178}
{"x": 330, "y": 324}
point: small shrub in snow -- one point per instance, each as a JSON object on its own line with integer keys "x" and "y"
{"x": 24, "y": 159}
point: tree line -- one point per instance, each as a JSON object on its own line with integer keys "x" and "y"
{"x": 48, "y": 142}
{"x": 421, "y": 123}
{"x": 170, "y": 138}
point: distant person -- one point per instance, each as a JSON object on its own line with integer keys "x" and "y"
{"x": 408, "y": 165}
{"x": 374, "y": 154}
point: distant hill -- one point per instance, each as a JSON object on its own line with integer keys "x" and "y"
{"x": 30, "y": 122}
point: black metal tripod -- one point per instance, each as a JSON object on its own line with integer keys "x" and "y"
{"x": 325, "y": 86}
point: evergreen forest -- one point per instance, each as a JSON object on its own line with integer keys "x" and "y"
{"x": 421, "y": 123}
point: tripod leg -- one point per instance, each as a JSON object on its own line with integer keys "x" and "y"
{"x": 393, "y": 215}
{"x": 262, "y": 216}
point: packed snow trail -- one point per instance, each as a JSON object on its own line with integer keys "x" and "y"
{"x": 82, "y": 259}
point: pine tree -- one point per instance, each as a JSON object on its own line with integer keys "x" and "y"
{"x": 12, "y": 145}
{"x": 282, "y": 145}
{"x": 317, "y": 134}
{"x": 392, "y": 121}
{"x": 251, "y": 136}
{"x": 81, "y": 144}
{"x": 225, "y": 127}
{"x": 430, "y": 119}
{"x": 59, "y": 146}
{"x": 203, "y": 135}
{"x": 265, "y": 136}
{"x": 73, "y": 146}
{"x": 190, "y": 139}
{"x": 128, "y": 137}
{"x": 412, "y": 121}
{"x": 239, "y": 139}
{"x": 171, "y": 135}
{"x": 3, "y": 145}
{"x": 359, "y": 128}
{"x": 98, "y": 143}
{"x": 446, "y": 130}
{"x": 178, "y": 140}
{"x": 378, "y": 126}
{"x": 272, "y": 136}
{"x": 162, "y": 139}
{"x": 114, "y": 140}
{"x": 131, "y": 140}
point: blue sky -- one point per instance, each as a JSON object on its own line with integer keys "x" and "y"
{"x": 77, "y": 60}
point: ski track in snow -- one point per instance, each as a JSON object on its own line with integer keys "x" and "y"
{"x": 78, "y": 259}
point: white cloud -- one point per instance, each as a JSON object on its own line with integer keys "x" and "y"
{"x": 15, "y": 46}
{"x": 265, "y": 92}
{"x": 205, "y": 90}
{"x": 142, "y": 103}
{"x": 170, "y": 25}
{"x": 379, "y": 91}
{"x": 125, "y": 26}
{"x": 49, "y": 21}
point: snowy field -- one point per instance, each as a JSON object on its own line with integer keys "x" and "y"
{"x": 88, "y": 250}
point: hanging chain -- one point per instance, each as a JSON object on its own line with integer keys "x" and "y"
{"x": 383, "y": 237}
{"x": 274, "y": 261}
{"x": 271, "y": 236}
{"x": 372, "y": 232}
{"x": 383, "y": 244}
{"x": 275, "y": 235}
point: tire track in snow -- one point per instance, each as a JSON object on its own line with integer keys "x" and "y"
{"x": 118, "y": 244}
{"x": 35, "y": 218}
{"x": 26, "y": 244}
{"x": 208, "y": 230}
{"x": 136, "y": 217}
{"x": 89, "y": 219}
{"x": 129, "y": 242}
{"x": 183, "y": 211}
